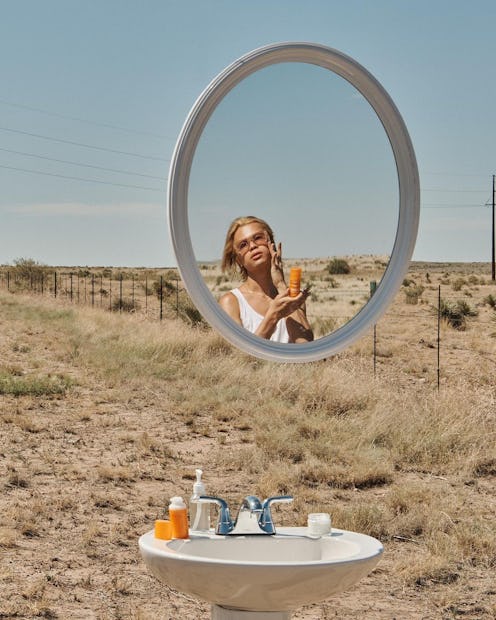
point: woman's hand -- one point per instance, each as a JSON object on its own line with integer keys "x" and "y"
{"x": 276, "y": 268}
{"x": 283, "y": 305}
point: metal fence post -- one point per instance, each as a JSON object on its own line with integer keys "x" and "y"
{"x": 161, "y": 297}
{"x": 177, "y": 299}
{"x": 438, "y": 336}
{"x": 373, "y": 287}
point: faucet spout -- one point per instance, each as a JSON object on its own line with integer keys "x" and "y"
{"x": 253, "y": 516}
{"x": 247, "y": 521}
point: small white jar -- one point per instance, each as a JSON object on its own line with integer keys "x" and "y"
{"x": 319, "y": 523}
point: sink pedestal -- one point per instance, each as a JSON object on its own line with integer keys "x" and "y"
{"x": 223, "y": 613}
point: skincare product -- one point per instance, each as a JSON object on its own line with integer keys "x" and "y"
{"x": 319, "y": 524}
{"x": 199, "y": 512}
{"x": 163, "y": 529}
{"x": 178, "y": 515}
{"x": 294, "y": 281}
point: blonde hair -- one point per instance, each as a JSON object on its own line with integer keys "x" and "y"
{"x": 229, "y": 262}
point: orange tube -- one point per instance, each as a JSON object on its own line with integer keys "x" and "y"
{"x": 294, "y": 281}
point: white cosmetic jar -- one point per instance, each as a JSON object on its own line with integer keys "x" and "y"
{"x": 319, "y": 523}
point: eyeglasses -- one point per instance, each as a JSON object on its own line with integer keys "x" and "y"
{"x": 259, "y": 238}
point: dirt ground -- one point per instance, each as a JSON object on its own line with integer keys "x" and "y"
{"x": 85, "y": 471}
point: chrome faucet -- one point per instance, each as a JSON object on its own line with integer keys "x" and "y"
{"x": 254, "y": 517}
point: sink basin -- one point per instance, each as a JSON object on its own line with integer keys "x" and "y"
{"x": 262, "y": 573}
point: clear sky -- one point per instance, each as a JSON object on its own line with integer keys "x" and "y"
{"x": 94, "y": 94}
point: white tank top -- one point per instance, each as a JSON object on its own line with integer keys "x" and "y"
{"x": 251, "y": 319}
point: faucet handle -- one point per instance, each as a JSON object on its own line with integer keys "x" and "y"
{"x": 224, "y": 522}
{"x": 266, "y": 522}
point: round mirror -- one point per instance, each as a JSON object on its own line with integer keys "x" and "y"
{"x": 294, "y": 143}
{"x": 305, "y": 138}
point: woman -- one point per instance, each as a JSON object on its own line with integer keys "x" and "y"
{"x": 262, "y": 303}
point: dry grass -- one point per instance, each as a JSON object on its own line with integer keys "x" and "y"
{"x": 87, "y": 467}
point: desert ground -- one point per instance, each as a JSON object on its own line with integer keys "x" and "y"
{"x": 105, "y": 415}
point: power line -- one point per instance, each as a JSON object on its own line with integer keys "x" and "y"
{"x": 442, "y": 206}
{"x": 455, "y": 174}
{"x": 455, "y": 191}
{"x": 75, "y": 163}
{"x": 87, "y": 146}
{"x": 81, "y": 120}
{"x": 63, "y": 176}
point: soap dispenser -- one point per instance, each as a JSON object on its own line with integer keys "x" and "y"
{"x": 199, "y": 512}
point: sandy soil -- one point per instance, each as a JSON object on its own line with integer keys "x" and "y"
{"x": 86, "y": 472}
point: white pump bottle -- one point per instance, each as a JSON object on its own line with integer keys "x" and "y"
{"x": 199, "y": 513}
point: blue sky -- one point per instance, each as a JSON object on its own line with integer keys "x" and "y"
{"x": 98, "y": 92}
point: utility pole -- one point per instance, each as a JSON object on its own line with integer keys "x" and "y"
{"x": 493, "y": 266}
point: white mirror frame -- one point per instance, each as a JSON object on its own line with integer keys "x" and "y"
{"x": 409, "y": 200}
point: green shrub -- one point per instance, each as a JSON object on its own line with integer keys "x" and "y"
{"x": 413, "y": 293}
{"x": 189, "y": 313}
{"x": 33, "y": 385}
{"x": 458, "y": 283}
{"x": 456, "y": 313}
{"x": 28, "y": 268}
{"x": 27, "y": 272}
{"x": 490, "y": 300}
{"x": 124, "y": 305}
{"x": 168, "y": 288}
{"x": 338, "y": 266}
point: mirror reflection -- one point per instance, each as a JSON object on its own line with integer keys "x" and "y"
{"x": 264, "y": 304}
{"x": 299, "y": 147}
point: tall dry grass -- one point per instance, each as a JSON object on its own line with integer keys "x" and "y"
{"x": 388, "y": 455}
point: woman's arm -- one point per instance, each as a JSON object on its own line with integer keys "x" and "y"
{"x": 230, "y": 304}
{"x": 299, "y": 329}
{"x": 282, "y": 306}
{"x": 293, "y": 310}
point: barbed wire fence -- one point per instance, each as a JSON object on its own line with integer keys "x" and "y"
{"x": 155, "y": 295}
{"x": 159, "y": 295}
{"x": 450, "y": 313}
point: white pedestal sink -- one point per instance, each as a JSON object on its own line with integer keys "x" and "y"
{"x": 261, "y": 577}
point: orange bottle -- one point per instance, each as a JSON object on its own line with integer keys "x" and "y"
{"x": 294, "y": 281}
{"x": 178, "y": 515}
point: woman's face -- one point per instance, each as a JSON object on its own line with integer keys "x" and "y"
{"x": 251, "y": 245}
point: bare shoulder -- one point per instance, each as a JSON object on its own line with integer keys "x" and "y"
{"x": 229, "y": 303}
